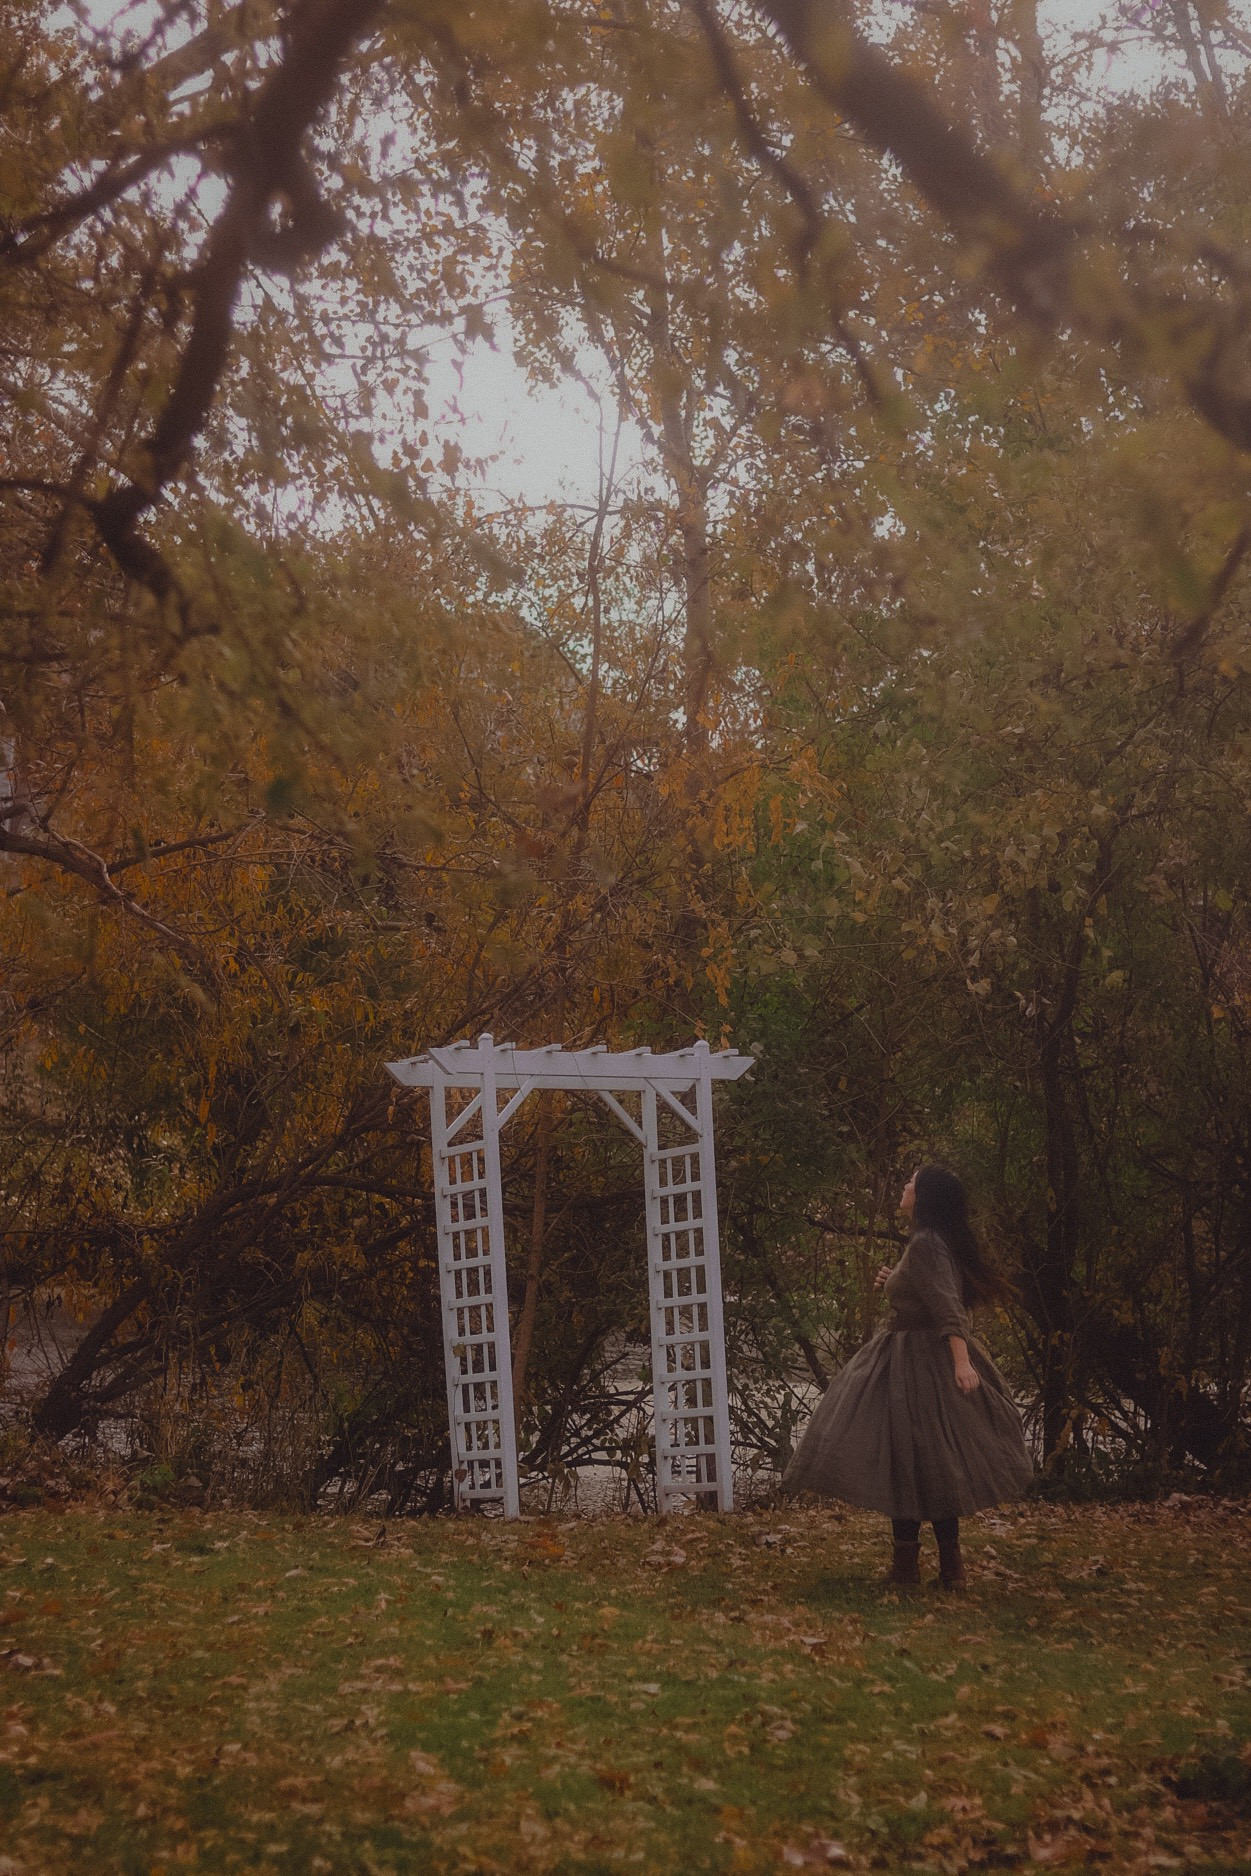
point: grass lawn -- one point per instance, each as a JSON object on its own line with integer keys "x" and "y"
{"x": 190, "y": 1691}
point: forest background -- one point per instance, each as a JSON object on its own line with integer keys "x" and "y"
{"x": 886, "y": 711}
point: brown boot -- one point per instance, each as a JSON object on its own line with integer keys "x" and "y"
{"x": 950, "y": 1563}
{"x": 905, "y": 1569}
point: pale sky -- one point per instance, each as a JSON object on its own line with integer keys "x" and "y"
{"x": 547, "y": 444}
{"x": 548, "y": 441}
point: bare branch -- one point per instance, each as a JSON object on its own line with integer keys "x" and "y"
{"x": 71, "y": 856}
{"x": 34, "y": 236}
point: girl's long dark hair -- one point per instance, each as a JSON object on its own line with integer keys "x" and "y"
{"x": 943, "y": 1206}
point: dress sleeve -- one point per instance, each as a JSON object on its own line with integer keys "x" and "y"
{"x": 933, "y": 1274}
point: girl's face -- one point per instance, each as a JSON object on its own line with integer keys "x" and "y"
{"x": 908, "y": 1197}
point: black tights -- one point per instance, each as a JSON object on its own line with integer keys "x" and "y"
{"x": 908, "y": 1530}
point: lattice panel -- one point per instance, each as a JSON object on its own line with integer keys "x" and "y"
{"x": 469, "y": 1321}
{"x": 682, "y": 1329}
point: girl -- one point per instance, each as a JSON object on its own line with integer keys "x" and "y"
{"x": 920, "y": 1424}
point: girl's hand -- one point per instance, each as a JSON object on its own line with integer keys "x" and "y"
{"x": 967, "y": 1377}
{"x": 884, "y": 1271}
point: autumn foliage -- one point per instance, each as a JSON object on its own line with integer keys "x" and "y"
{"x": 884, "y": 710}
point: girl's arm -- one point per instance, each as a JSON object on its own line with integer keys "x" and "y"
{"x": 967, "y": 1377}
{"x": 936, "y": 1277}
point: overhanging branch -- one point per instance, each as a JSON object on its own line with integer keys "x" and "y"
{"x": 1054, "y": 270}
{"x": 269, "y": 168}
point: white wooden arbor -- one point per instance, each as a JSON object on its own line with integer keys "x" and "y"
{"x": 692, "y": 1422}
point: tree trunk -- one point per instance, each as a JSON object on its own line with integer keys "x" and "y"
{"x": 1209, "y": 79}
{"x": 1032, "y": 94}
{"x": 1214, "y": 67}
{"x": 1051, "y": 1279}
{"x": 669, "y": 383}
{"x": 62, "y": 1407}
{"x": 987, "y": 94}
{"x": 1050, "y": 1266}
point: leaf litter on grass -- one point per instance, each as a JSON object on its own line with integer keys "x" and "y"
{"x": 722, "y": 1694}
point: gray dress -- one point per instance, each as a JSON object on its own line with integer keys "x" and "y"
{"x": 893, "y": 1432}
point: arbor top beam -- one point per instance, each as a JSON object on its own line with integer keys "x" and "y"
{"x": 463, "y": 1064}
